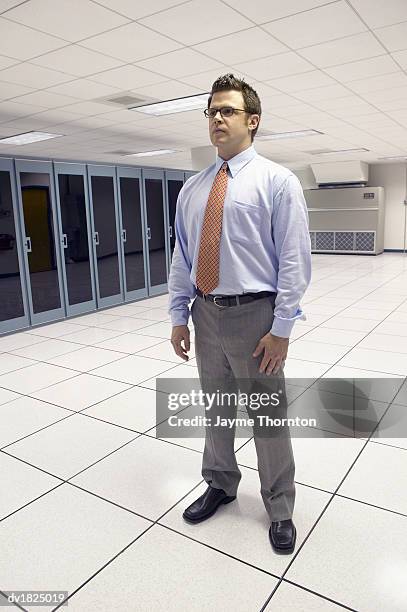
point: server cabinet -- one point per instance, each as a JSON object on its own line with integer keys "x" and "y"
{"x": 13, "y": 299}
{"x": 76, "y": 237}
{"x": 156, "y": 231}
{"x": 105, "y": 233}
{"x": 133, "y": 236}
{"x": 173, "y": 185}
{"x": 41, "y": 238}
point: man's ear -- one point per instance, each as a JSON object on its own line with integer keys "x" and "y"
{"x": 254, "y": 121}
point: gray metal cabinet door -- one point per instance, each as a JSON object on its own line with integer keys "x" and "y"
{"x": 132, "y": 232}
{"x": 42, "y": 240}
{"x": 13, "y": 298}
{"x": 156, "y": 230}
{"x": 76, "y": 237}
{"x": 106, "y": 237}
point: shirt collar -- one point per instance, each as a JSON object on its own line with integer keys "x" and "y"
{"x": 237, "y": 162}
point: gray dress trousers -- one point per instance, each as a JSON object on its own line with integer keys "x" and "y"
{"x": 225, "y": 339}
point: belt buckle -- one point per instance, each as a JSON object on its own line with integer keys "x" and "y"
{"x": 215, "y": 302}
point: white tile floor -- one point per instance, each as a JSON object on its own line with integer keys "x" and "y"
{"x": 91, "y": 501}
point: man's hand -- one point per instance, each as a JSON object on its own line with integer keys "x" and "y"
{"x": 275, "y": 352}
{"x": 181, "y": 333}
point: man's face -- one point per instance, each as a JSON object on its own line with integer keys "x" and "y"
{"x": 230, "y": 134}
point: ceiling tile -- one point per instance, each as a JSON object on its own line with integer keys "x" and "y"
{"x": 386, "y": 95}
{"x": 76, "y": 60}
{"x": 11, "y": 90}
{"x": 261, "y": 11}
{"x": 204, "y": 80}
{"x": 379, "y": 83}
{"x": 167, "y": 91}
{"x": 10, "y": 110}
{"x": 293, "y": 109}
{"x": 46, "y": 99}
{"x": 374, "y": 66}
{"x": 242, "y": 46}
{"x": 88, "y": 108}
{"x": 128, "y": 77}
{"x": 316, "y": 26}
{"x": 280, "y": 100}
{"x": 194, "y": 22}
{"x": 377, "y": 14}
{"x": 137, "y": 10}
{"x": 131, "y": 43}
{"x": 33, "y": 76}
{"x": 306, "y": 80}
{"x": 399, "y": 56}
{"x": 394, "y": 37}
{"x": 346, "y": 102}
{"x": 17, "y": 41}
{"x": 61, "y": 18}
{"x": 179, "y": 63}
{"x": 275, "y": 66}
{"x": 316, "y": 119}
{"x": 5, "y": 5}
{"x": 322, "y": 93}
{"x": 392, "y": 105}
{"x": 52, "y": 117}
{"x": 343, "y": 50}
{"x": 5, "y": 62}
{"x": 84, "y": 89}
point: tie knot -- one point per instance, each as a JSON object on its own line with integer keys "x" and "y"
{"x": 224, "y": 167}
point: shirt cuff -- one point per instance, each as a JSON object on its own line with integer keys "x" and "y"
{"x": 283, "y": 327}
{"x": 179, "y": 317}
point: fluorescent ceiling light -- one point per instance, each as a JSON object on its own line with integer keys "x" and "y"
{"x": 178, "y": 105}
{"x": 360, "y": 150}
{"x": 298, "y": 134}
{"x": 28, "y": 137}
{"x": 151, "y": 153}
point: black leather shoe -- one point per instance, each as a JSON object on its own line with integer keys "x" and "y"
{"x": 282, "y": 536}
{"x": 206, "y": 505}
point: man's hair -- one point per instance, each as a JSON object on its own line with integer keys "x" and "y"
{"x": 251, "y": 99}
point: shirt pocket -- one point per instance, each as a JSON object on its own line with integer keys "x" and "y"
{"x": 244, "y": 222}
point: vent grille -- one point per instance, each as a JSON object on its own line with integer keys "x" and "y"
{"x": 343, "y": 242}
{"x": 364, "y": 241}
{"x": 122, "y": 100}
{"x": 125, "y": 100}
{"x": 324, "y": 241}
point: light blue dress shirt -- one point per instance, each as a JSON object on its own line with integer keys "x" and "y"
{"x": 265, "y": 243}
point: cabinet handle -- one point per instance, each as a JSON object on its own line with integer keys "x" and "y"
{"x": 96, "y": 238}
{"x": 65, "y": 241}
{"x": 124, "y": 235}
{"x": 28, "y": 244}
{"x": 170, "y": 231}
{"x": 148, "y": 233}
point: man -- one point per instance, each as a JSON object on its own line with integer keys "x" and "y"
{"x": 243, "y": 251}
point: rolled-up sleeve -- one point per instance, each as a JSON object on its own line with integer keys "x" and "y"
{"x": 290, "y": 230}
{"x": 180, "y": 288}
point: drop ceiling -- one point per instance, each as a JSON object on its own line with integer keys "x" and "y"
{"x": 336, "y": 67}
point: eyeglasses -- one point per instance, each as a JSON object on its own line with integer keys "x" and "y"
{"x": 225, "y": 111}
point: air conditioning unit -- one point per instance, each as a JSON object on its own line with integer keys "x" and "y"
{"x": 346, "y": 220}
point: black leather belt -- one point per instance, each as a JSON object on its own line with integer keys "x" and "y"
{"x": 234, "y": 300}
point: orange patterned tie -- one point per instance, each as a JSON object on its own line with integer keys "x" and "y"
{"x": 207, "y": 274}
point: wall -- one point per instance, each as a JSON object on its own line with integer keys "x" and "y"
{"x": 393, "y": 177}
